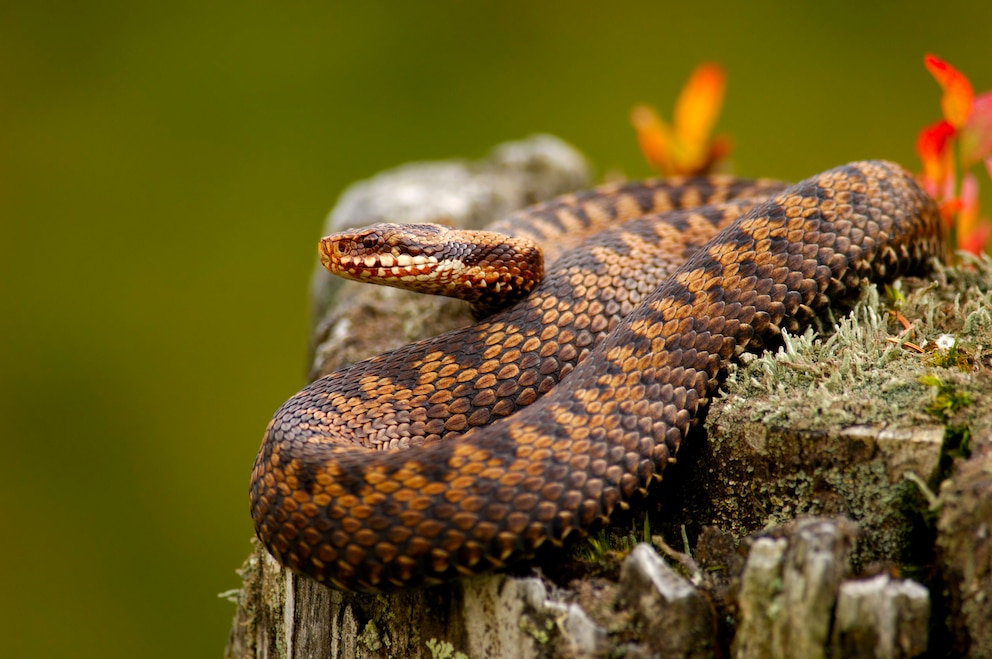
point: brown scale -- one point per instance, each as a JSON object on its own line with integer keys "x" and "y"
{"x": 563, "y": 223}
{"x": 643, "y": 362}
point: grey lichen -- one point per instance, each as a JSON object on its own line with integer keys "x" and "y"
{"x": 853, "y": 376}
{"x": 868, "y": 370}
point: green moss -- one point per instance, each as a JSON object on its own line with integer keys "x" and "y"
{"x": 612, "y": 543}
{"x": 542, "y": 633}
{"x": 948, "y": 398}
{"x": 951, "y": 357}
{"x": 443, "y": 650}
{"x": 369, "y": 638}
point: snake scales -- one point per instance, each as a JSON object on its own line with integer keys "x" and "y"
{"x": 643, "y": 345}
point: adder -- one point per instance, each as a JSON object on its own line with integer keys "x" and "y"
{"x": 469, "y": 451}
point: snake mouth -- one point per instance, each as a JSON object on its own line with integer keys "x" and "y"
{"x": 350, "y": 259}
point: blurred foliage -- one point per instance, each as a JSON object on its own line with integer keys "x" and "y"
{"x": 164, "y": 171}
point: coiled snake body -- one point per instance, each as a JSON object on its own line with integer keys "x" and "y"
{"x": 638, "y": 346}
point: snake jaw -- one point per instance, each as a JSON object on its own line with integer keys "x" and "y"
{"x": 355, "y": 256}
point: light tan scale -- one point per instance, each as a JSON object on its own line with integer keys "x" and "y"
{"x": 471, "y": 450}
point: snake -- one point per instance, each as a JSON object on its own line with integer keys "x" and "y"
{"x": 473, "y": 450}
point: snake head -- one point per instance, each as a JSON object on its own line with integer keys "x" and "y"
{"x": 390, "y": 254}
{"x": 489, "y": 270}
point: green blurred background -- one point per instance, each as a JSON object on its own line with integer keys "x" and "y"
{"x": 164, "y": 172}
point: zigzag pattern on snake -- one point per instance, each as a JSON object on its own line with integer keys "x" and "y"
{"x": 537, "y": 423}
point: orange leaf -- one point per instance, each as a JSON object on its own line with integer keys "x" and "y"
{"x": 932, "y": 145}
{"x": 696, "y": 112}
{"x": 975, "y": 241}
{"x": 976, "y": 136}
{"x": 685, "y": 147}
{"x": 948, "y": 212}
{"x": 967, "y": 219}
{"x": 958, "y": 95}
{"x": 654, "y": 137}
